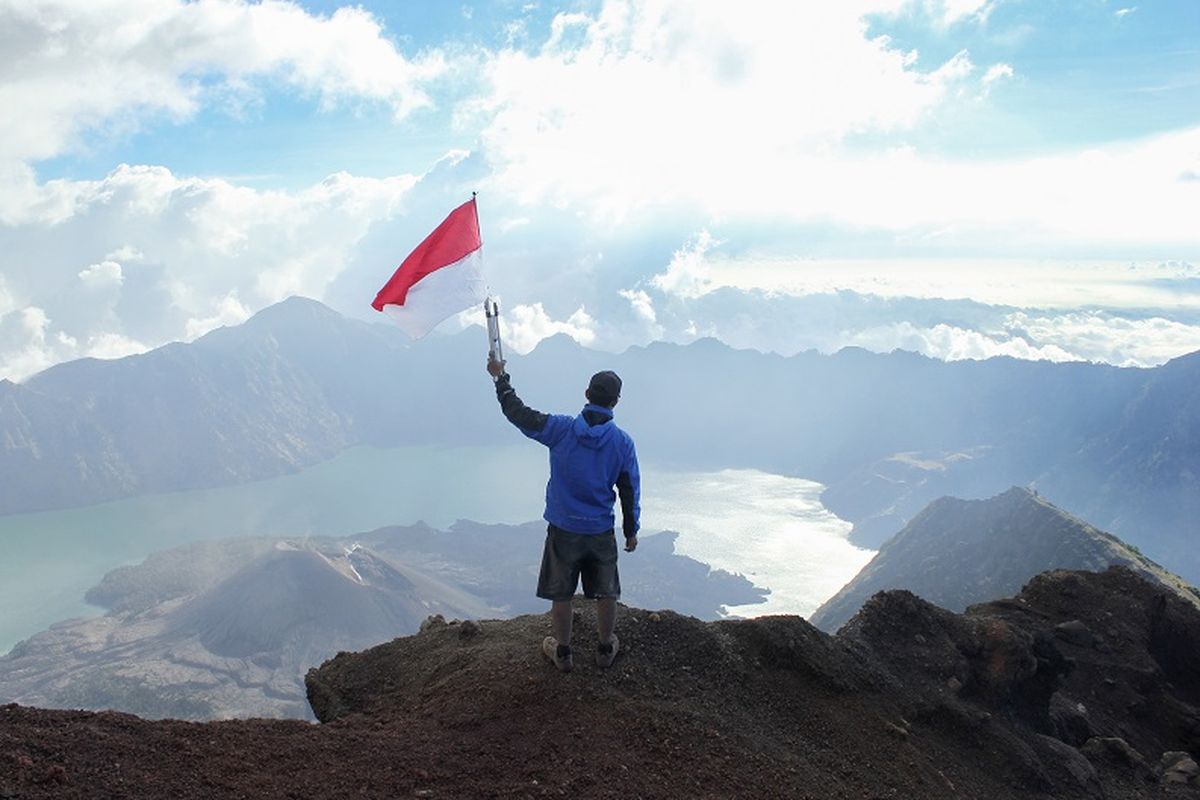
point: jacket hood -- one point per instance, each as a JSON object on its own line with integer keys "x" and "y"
{"x": 594, "y": 436}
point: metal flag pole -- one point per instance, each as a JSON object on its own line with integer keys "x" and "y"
{"x": 491, "y": 310}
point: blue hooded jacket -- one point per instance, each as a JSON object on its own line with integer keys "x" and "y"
{"x": 589, "y": 456}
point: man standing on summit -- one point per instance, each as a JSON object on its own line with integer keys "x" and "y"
{"x": 589, "y": 455}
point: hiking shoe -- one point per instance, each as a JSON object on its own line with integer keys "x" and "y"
{"x": 605, "y": 653}
{"x": 560, "y": 654}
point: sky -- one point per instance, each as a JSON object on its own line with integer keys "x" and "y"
{"x": 960, "y": 178}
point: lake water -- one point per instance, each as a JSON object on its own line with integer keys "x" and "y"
{"x": 770, "y": 528}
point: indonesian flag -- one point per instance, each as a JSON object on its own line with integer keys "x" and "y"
{"x": 442, "y": 277}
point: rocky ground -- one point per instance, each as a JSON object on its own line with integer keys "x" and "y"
{"x": 1086, "y": 685}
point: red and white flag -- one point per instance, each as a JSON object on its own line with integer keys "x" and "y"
{"x": 442, "y": 277}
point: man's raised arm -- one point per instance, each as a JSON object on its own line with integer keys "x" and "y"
{"x": 519, "y": 414}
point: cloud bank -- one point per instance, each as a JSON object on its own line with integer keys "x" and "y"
{"x": 648, "y": 170}
{"x": 111, "y": 267}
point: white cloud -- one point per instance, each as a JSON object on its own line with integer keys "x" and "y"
{"x": 24, "y": 348}
{"x": 731, "y": 115}
{"x": 104, "y": 274}
{"x": 699, "y": 268}
{"x": 229, "y": 311}
{"x": 27, "y": 346}
{"x": 1099, "y": 336}
{"x": 945, "y": 329}
{"x": 954, "y": 11}
{"x": 991, "y": 78}
{"x": 1021, "y": 204}
{"x": 996, "y": 72}
{"x": 199, "y": 253}
{"x": 666, "y": 101}
{"x": 642, "y": 305}
{"x": 526, "y": 325}
{"x": 941, "y": 14}
{"x": 950, "y": 343}
{"x": 113, "y": 345}
{"x": 689, "y": 274}
{"x": 756, "y": 125}
{"x": 1122, "y": 12}
{"x": 125, "y": 253}
{"x": 109, "y": 63}
{"x": 1079, "y": 336}
{"x": 648, "y": 328}
{"x": 957, "y": 68}
{"x": 6, "y": 300}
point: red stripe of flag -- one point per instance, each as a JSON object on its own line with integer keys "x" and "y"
{"x": 453, "y": 240}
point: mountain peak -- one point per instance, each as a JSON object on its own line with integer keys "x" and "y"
{"x": 556, "y": 343}
{"x": 293, "y": 309}
{"x": 226, "y": 628}
{"x": 958, "y": 552}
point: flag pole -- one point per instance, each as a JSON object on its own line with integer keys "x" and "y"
{"x": 491, "y": 310}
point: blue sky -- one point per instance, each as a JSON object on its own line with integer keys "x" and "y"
{"x": 1031, "y": 169}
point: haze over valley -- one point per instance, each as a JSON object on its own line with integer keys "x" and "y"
{"x": 789, "y": 471}
{"x": 58, "y": 555}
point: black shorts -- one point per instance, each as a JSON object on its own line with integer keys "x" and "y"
{"x": 569, "y": 556}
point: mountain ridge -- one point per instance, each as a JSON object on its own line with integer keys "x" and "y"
{"x": 957, "y": 553}
{"x": 298, "y": 384}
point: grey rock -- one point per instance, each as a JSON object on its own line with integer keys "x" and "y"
{"x": 1074, "y": 765}
{"x": 1115, "y": 750}
{"x": 1075, "y": 632}
{"x": 1069, "y": 720}
{"x": 1178, "y": 767}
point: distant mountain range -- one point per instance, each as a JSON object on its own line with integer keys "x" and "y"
{"x": 957, "y": 553}
{"x": 228, "y": 628}
{"x": 886, "y": 433}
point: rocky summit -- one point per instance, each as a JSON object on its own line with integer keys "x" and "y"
{"x": 1084, "y": 685}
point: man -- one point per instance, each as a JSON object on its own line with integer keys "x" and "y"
{"x": 589, "y": 455}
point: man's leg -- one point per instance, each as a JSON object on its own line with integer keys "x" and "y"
{"x": 606, "y": 617}
{"x": 560, "y": 621}
{"x": 601, "y": 581}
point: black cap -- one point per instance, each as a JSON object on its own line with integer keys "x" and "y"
{"x": 604, "y": 388}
